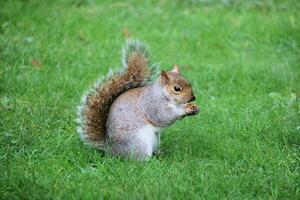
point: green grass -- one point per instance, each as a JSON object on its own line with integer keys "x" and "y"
{"x": 243, "y": 58}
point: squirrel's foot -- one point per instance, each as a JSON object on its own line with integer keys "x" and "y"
{"x": 159, "y": 153}
{"x": 191, "y": 109}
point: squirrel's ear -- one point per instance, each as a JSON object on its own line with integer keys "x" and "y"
{"x": 176, "y": 69}
{"x": 164, "y": 78}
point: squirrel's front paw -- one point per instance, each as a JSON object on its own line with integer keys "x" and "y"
{"x": 191, "y": 109}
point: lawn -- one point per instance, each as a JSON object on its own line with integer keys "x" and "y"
{"x": 242, "y": 57}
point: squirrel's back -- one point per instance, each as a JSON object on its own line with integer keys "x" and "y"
{"x": 126, "y": 114}
{"x": 94, "y": 109}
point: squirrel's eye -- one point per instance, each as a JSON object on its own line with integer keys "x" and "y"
{"x": 177, "y": 88}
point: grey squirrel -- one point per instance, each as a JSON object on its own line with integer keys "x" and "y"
{"x": 124, "y": 113}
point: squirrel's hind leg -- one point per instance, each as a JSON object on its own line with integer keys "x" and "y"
{"x": 139, "y": 145}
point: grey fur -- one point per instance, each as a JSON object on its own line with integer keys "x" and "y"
{"x": 127, "y": 117}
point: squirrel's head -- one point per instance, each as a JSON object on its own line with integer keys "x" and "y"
{"x": 177, "y": 88}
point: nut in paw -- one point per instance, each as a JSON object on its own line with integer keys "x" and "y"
{"x": 192, "y": 109}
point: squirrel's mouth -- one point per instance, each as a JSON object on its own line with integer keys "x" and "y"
{"x": 193, "y": 98}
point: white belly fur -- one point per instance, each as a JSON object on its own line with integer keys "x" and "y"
{"x": 150, "y": 137}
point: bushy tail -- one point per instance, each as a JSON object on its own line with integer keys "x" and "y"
{"x": 93, "y": 111}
